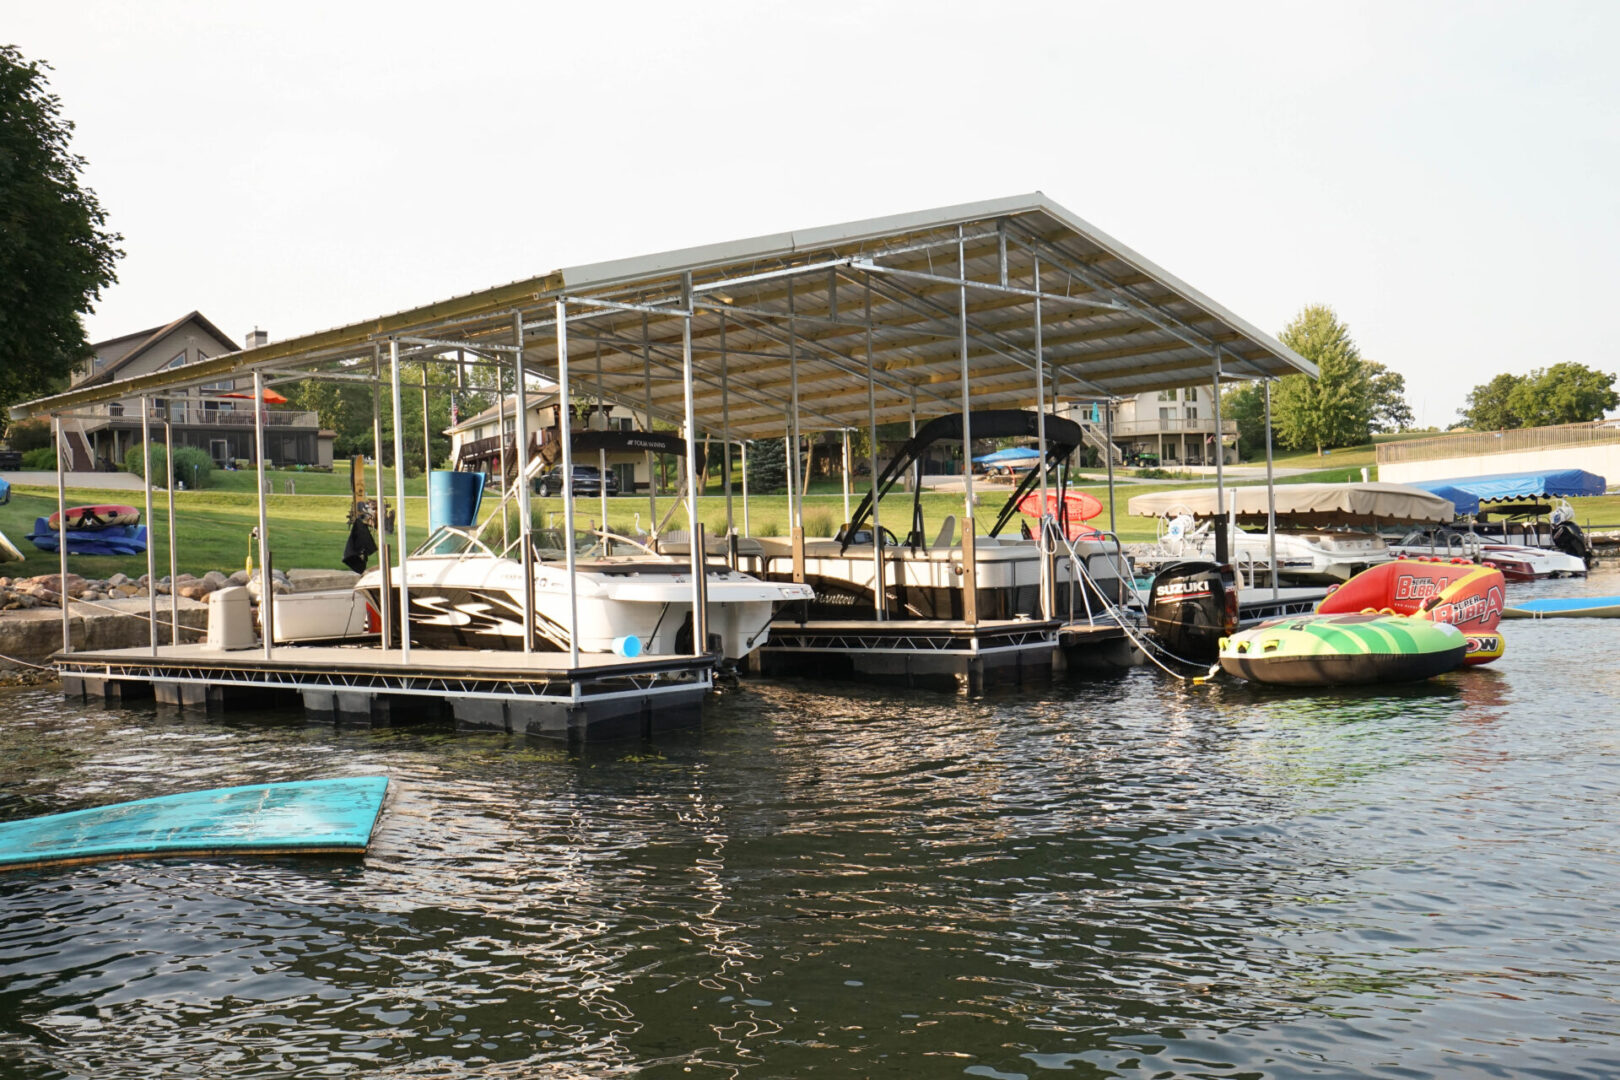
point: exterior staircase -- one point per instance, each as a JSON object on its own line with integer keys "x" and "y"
{"x": 1099, "y": 441}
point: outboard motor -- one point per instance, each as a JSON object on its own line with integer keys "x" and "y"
{"x": 1191, "y": 606}
{"x": 1568, "y": 538}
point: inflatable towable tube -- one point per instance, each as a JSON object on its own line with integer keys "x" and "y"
{"x": 1455, "y": 591}
{"x": 1343, "y": 650}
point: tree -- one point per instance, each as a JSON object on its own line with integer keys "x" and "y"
{"x": 1567, "y": 393}
{"x": 55, "y": 253}
{"x": 1245, "y": 403}
{"x": 1341, "y": 406}
{"x": 1390, "y": 412}
{"x": 767, "y": 466}
{"x": 1486, "y": 407}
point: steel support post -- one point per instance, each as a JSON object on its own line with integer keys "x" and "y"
{"x": 795, "y": 489}
{"x": 1048, "y": 582}
{"x": 1271, "y": 497}
{"x": 879, "y": 591}
{"x": 520, "y": 427}
{"x": 725, "y": 442}
{"x": 1222, "y": 540}
{"x": 500, "y": 445}
{"x": 646, "y": 422}
{"x": 700, "y": 613}
{"x": 174, "y": 565}
{"x": 385, "y": 564}
{"x": 399, "y": 502}
{"x": 61, "y": 529}
{"x": 1108, "y": 433}
{"x": 267, "y": 592}
{"x": 601, "y": 452}
{"x": 151, "y": 553}
{"x": 970, "y": 575}
{"x": 427, "y": 453}
{"x": 846, "y": 476}
{"x": 745, "y": 487}
{"x": 564, "y": 432}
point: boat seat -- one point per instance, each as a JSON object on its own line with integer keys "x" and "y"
{"x": 947, "y": 533}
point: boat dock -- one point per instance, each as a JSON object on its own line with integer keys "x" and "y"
{"x": 944, "y": 654}
{"x": 523, "y": 693}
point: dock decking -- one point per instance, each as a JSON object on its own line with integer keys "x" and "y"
{"x": 532, "y": 693}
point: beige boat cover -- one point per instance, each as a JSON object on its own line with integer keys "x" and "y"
{"x": 1307, "y": 504}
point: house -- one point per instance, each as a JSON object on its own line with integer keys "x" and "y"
{"x": 218, "y": 418}
{"x": 1167, "y": 427}
{"x": 477, "y": 443}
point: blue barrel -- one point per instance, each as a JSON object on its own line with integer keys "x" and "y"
{"x": 455, "y": 497}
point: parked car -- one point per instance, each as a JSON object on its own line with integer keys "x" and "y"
{"x": 587, "y": 481}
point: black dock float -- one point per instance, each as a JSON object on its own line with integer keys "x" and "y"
{"x": 534, "y": 694}
{"x": 942, "y": 654}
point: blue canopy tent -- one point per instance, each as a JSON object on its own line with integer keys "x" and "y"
{"x": 1467, "y": 493}
{"x": 1011, "y": 456}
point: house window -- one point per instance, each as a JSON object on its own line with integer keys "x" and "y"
{"x": 1167, "y": 395}
{"x": 1165, "y": 414}
{"x": 177, "y": 361}
{"x": 1192, "y": 412}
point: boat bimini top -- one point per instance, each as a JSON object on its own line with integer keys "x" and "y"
{"x": 1062, "y": 436}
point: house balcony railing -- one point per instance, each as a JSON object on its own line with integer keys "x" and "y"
{"x": 194, "y": 414}
{"x": 1173, "y": 425}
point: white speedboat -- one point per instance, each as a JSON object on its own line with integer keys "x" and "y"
{"x": 631, "y": 600}
{"x": 1325, "y": 532}
{"x": 1518, "y": 562}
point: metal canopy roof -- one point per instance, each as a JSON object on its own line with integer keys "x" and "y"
{"x": 829, "y": 309}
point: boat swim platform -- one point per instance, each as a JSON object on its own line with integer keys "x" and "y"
{"x": 942, "y": 654}
{"x": 538, "y": 694}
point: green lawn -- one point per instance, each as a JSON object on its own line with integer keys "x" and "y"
{"x": 308, "y": 529}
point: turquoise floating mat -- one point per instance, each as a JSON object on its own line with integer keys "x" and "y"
{"x": 305, "y": 817}
{"x": 1566, "y": 607}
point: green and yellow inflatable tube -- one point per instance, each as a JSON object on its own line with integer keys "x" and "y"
{"x": 1343, "y": 650}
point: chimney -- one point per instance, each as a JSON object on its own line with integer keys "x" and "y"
{"x": 257, "y": 338}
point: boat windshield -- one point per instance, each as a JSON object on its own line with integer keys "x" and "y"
{"x": 451, "y": 540}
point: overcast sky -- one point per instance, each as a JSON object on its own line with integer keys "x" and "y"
{"x": 1445, "y": 176}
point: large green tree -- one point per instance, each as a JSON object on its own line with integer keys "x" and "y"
{"x": 1342, "y": 405}
{"x": 56, "y": 254}
{"x": 1566, "y": 393}
{"x": 1486, "y": 408}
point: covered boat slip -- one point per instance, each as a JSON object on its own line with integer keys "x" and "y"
{"x": 1467, "y": 493}
{"x": 1010, "y": 304}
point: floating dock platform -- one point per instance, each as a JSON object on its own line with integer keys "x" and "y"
{"x": 523, "y": 693}
{"x": 943, "y": 654}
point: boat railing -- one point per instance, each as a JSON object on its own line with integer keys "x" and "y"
{"x": 1080, "y": 574}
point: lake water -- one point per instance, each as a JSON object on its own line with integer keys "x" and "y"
{"x": 1115, "y": 878}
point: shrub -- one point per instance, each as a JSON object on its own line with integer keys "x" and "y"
{"x": 42, "y": 457}
{"x": 192, "y": 466}
{"x": 26, "y": 435}
{"x": 818, "y": 523}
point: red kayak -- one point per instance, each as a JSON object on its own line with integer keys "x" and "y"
{"x": 1465, "y": 594}
{"x": 96, "y": 517}
{"x": 1077, "y": 507}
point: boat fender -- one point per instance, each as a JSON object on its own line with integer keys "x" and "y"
{"x": 628, "y": 646}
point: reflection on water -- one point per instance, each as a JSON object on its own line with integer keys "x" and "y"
{"x": 1120, "y": 878}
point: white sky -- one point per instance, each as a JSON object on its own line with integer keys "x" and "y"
{"x": 1446, "y": 176}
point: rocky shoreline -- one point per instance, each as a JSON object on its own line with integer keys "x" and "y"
{"x": 114, "y": 612}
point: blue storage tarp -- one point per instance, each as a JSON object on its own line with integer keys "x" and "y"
{"x": 1466, "y": 493}
{"x": 1009, "y": 456}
